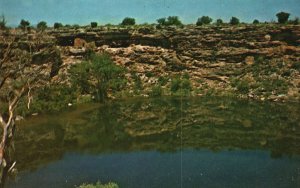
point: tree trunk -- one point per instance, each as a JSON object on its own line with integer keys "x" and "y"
{"x": 6, "y": 150}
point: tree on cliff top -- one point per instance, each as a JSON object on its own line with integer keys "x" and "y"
{"x": 171, "y": 20}
{"x": 2, "y": 22}
{"x": 283, "y": 17}
{"x": 21, "y": 71}
{"x": 94, "y": 24}
{"x": 128, "y": 21}
{"x": 41, "y": 26}
{"x": 234, "y": 21}
{"x": 161, "y": 21}
{"x": 255, "y": 21}
{"x": 57, "y": 25}
{"x": 219, "y": 22}
{"x": 24, "y": 24}
{"x": 204, "y": 20}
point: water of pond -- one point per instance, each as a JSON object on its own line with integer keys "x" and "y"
{"x": 170, "y": 142}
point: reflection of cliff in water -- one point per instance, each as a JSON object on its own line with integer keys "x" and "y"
{"x": 206, "y": 123}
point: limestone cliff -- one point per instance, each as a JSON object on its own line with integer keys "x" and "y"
{"x": 256, "y": 61}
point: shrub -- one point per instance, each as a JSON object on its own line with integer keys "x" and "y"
{"x": 2, "y": 22}
{"x": 99, "y": 185}
{"x": 41, "y": 26}
{"x": 255, "y": 21}
{"x": 24, "y": 25}
{"x": 137, "y": 82}
{"x": 243, "y": 86}
{"x": 171, "y": 20}
{"x": 94, "y": 24}
{"x": 128, "y": 21}
{"x": 162, "y": 80}
{"x": 174, "y": 20}
{"x": 79, "y": 75}
{"x": 52, "y": 98}
{"x": 76, "y": 26}
{"x": 204, "y": 20}
{"x": 57, "y": 25}
{"x": 219, "y": 22}
{"x": 186, "y": 85}
{"x": 156, "y": 91}
{"x": 161, "y": 21}
{"x": 234, "y": 21}
{"x": 282, "y": 17}
{"x": 175, "y": 84}
{"x": 296, "y": 66}
{"x": 183, "y": 84}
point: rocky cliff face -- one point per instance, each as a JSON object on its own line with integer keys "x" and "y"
{"x": 257, "y": 61}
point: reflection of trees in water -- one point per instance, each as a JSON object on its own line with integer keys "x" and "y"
{"x": 207, "y": 123}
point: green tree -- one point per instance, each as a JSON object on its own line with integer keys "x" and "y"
{"x": 156, "y": 91}
{"x": 20, "y": 75}
{"x": 97, "y": 76}
{"x": 182, "y": 84}
{"x": 255, "y": 21}
{"x": 99, "y": 185}
{"x": 282, "y": 17}
{"x": 57, "y": 25}
{"x": 174, "y": 20}
{"x": 219, "y": 22}
{"x": 42, "y": 25}
{"x": 171, "y": 20}
{"x": 2, "y": 22}
{"x": 161, "y": 21}
{"x": 175, "y": 84}
{"x": 94, "y": 24}
{"x": 24, "y": 24}
{"x": 76, "y": 26}
{"x": 234, "y": 21}
{"x": 128, "y": 21}
{"x": 204, "y": 20}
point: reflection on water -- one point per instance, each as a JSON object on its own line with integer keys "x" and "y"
{"x": 225, "y": 143}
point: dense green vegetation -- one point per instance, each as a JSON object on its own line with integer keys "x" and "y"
{"x": 255, "y": 21}
{"x": 94, "y": 79}
{"x": 97, "y": 76}
{"x": 171, "y": 20}
{"x": 57, "y": 25}
{"x": 204, "y": 20}
{"x": 283, "y": 17}
{"x": 234, "y": 21}
{"x": 42, "y": 25}
{"x": 94, "y": 24}
{"x": 99, "y": 185}
{"x": 2, "y": 22}
{"x": 219, "y": 22}
{"x": 181, "y": 85}
{"x": 128, "y": 21}
{"x": 24, "y": 24}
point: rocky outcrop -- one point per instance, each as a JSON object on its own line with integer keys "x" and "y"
{"x": 216, "y": 57}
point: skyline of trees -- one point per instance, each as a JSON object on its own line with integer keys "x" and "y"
{"x": 282, "y": 18}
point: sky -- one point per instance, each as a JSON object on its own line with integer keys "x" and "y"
{"x": 113, "y": 11}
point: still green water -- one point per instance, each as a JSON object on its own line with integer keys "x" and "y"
{"x": 169, "y": 142}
